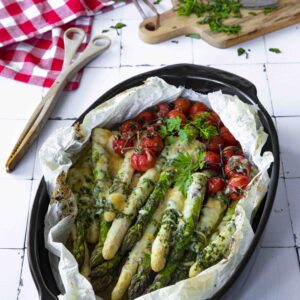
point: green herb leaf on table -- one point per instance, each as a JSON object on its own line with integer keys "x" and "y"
{"x": 241, "y": 51}
{"x": 105, "y": 30}
{"x": 275, "y": 50}
{"x": 118, "y": 26}
{"x": 156, "y": 2}
{"x": 193, "y": 36}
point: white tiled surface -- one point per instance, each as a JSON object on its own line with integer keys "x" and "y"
{"x": 275, "y": 274}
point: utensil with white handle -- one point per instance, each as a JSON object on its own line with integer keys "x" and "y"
{"x": 73, "y": 38}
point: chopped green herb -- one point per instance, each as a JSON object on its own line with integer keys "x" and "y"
{"x": 275, "y": 50}
{"x": 170, "y": 140}
{"x": 156, "y": 2}
{"x": 252, "y": 13}
{"x": 105, "y": 30}
{"x": 268, "y": 10}
{"x": 175, "y": 42}
{"x": 194, "y": 36}
{"x": 213, "y": 13}
{"x": 118, "y": 26}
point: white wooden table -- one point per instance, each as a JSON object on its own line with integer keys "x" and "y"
{"x": 276, "y": 273}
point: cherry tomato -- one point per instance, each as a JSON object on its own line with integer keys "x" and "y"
{"x": 236, "y": 186}
{"x": 198, "y": 107}
{"x": 177, "y": 113}
{"x": 228, "y": 137}
{"x": 214, "y": 185}
{"x": 143, "y": 159}
{"x": 152, "y": 142}
{"x": 212, "y": 160}
{"x": 213, "y": 143}
{"x": 120, "y": 142}
{"x": 183, "y": 104}
{"x": 213, "y": 119}
{"x": 145, "y": 117}
{"x": 154, "y": 129}
{"x": 231, "y": 151}
{"x": 130, "y": 127}
{"x": 237, "y": 165}
{"x": 162, "y": 109}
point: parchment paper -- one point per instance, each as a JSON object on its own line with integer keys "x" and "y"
{"x": 61, "y": 147}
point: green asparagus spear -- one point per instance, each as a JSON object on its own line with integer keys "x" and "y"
{"x": 141, "y": 279}
{"x": 218, "y": 245}
{"x": 101, "y": 283}
{"x": 96, "y": 256}
{"x": 210, "y": 217}
{"x": 136, "y": 231}
{"x": 184, "y": 232}
{"x": 108, "y": 266}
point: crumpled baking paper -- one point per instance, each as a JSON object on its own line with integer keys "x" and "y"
{"x": 56, "y": 156}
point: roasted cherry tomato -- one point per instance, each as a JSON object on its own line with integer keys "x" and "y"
{"x": 228, "y": 138}
{"x": 130, "y": 127}
{"x": 152, "y": 142}
{"x": 154, "y": 129}
{"x": 121, "y": 143}
{"x": 231, "y": 151}
{"x": 213, "y": 119}
{"x": 214, "y": 185}
{"x": 183, "y": 104}
{"x": 162, "y": 109}
{"x": 237, "y": 165}
{"x": 214, "y": 143}
{"x": 145, "y": 117}
{"x": 143, "y": 159}
{"x": 236, "y": 186}
{"x": 212, "y": 160}
{"x": 177, "y": 113}
{"x": 198, "y": 107}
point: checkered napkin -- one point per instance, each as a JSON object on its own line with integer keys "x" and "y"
{"x": 31, "y": 36}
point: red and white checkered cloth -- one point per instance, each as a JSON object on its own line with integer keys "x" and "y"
{"x": 31, "y": 36}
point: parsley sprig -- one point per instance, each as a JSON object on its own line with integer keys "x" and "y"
{"x": 198, "y": 127}
{"x": 185, "y": 167}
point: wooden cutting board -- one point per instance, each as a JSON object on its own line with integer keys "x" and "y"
{"x": 172, "y": 25}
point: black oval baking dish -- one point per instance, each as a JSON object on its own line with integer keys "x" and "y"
{"x": 201, "y": 79}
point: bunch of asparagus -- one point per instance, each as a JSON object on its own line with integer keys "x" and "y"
{"x": 145, "y": 235}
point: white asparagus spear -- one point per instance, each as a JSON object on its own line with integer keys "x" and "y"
{"x": 120, "y": 225}
{"x": 136, "y": 254}
{"x": 117, "y": 192}
{"x": 161, "y": 244}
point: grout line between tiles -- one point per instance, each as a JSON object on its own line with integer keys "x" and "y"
{"x": 289, "y": 211}
{"x": 21, "y": 272}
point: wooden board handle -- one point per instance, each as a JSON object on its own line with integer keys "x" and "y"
{"x": 171, "y": 26}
